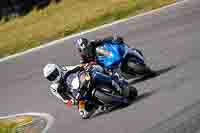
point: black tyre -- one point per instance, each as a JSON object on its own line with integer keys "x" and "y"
{"x": 133, "y": 92}
{"x": 139, "y": 69}
{"x": 104, "y": 96}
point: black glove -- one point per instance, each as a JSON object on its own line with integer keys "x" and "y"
{"x": 118, "y": 39}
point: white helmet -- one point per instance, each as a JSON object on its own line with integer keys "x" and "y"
{"x": 52, "y": 72}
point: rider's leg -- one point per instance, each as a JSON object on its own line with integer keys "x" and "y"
{"x": 98, "y": 74}
{"x": 119, "y": 83}
{"x": 85, "y": 109}
{"x": 119, "y": 79}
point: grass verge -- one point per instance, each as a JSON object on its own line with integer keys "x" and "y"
{"x": 13, "y": 124}
{"x": 65, "y": 18}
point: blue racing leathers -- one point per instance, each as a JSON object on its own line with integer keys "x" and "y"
{"x": 98, "y": 74}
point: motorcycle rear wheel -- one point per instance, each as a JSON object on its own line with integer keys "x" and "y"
{"x": 133, "y": 93}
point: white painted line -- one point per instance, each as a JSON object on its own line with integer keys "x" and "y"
{"x": 91, "y": 30}
{"x": 50, "y": 119}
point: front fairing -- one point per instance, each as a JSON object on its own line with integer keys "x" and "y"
{"x": 72, "y": 82}
{"x": 111, "y": 54}
{"x": 78, "y": 82}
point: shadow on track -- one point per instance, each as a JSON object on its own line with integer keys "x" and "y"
{"x": 157, "y": 73}
{"x": 138, "y": 99}
{"x": 142, "y": 96}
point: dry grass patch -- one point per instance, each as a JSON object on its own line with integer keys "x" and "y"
{"x": 67, "y": 17}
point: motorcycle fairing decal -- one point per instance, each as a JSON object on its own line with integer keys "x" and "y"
{"x": 87, "y": 77}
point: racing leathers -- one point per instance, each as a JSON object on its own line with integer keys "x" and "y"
{"x": 90, "y": 56}
{"x": 59, "y": 90}
{"x": 90, "y": 53}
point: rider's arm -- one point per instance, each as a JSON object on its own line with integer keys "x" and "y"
{"x": 69, "y": 68}
{"x": 64, "y": 98}
{"x": 54, "y": 90}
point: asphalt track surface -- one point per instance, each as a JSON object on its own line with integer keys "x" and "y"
{"x": 170, "y": 39}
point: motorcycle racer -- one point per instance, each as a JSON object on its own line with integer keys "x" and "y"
{"x": 57, "y": 75}
{"x": 86, "y": 48}
{"x": 87, "y": 52}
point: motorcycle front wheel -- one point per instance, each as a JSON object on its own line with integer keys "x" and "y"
{"x": 105, "y": 95}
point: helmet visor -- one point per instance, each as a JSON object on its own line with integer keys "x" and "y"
{"x": 53, "y": 75}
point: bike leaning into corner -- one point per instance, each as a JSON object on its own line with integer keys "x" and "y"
{"x": 112, "y": 54}
{"x": 97, "y": 91}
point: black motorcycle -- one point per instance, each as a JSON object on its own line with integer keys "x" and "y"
{"x": 98, "y": 94}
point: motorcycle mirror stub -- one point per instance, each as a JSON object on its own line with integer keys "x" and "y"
{"x": 87, "y": 77}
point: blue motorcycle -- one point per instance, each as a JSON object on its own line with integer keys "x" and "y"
{"x": 114, "y": 54}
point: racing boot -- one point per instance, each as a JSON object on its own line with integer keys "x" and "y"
{"x": 86, "y": 110}
{"x": 123, "y": 84}
{"x": 120, "y": 80}
{"x": 117, "y": 86}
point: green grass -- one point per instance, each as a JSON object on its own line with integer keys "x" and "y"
{"x": 65, "y": 18}
{"x": 12, "y": 125}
